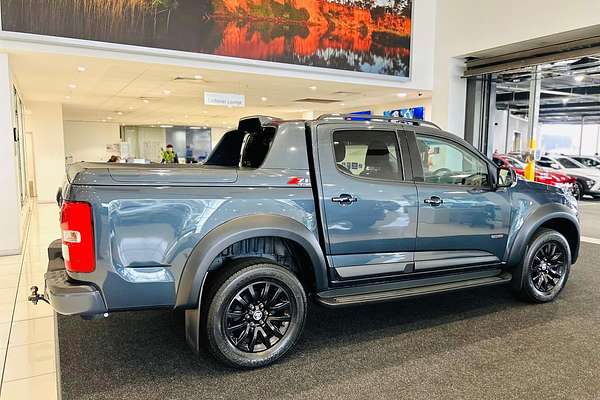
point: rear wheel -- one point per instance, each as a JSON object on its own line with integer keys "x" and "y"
{"x": 545, "y": 267}
{"x": 255, "y": 315}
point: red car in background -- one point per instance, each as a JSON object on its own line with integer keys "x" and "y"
{"x": 542, "y": 175}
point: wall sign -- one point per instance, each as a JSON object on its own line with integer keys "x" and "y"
{"x": 224, "y": 99}
{"x": 358, "y": 35}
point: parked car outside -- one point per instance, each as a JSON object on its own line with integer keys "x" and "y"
{"x": 588, "y": 161}
{"x": 588, "y": 179}
{"x": 543, "y": 175}
{"x": 341, "y": 211}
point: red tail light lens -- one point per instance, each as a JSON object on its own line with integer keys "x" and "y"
{"x": 77, "y": 236}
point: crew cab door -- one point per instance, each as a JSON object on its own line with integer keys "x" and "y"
{"x": 462, "y": 221}
{"x": 368, "y": 201}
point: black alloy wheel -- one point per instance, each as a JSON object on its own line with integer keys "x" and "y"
{"x": 545, "y": 268}
{"x": 255, "y": 311}
{"x": 258, "y": 316}
{"x": 548, "y": 267}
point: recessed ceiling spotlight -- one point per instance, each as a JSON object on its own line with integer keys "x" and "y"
{"x": 103, "y": 120}
{"x": 109, "y": 117}
{"x": 119, "y": 112}
{"x": 81, "y": 68}
{"x": 342, "y": 104}
{"x": 263, "y": 99}
{"x": 312, "y": 87}
{"x": 72, "y": 86}
{"x": 186, "y": 116}
{"x": 146, "y": 101}
{"x": 166, "y": 126}
{"x": 167, "y": 92}
{"x": 579, "y": 78}
{"x": 131, "y": 108}
{"x": 198, "y": 77}
{"x": 67, "y": 97}
{"x": 204, "y": 112}
{"x": 402, "y": 94}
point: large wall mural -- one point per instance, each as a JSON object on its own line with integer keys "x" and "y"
{"x": 357, "y": 35}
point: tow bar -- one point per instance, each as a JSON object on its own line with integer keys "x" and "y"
{"x": 35, "y": 296}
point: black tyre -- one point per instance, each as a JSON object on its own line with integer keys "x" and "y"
{"x": 256, "y": 312}
{"x": 546, "y": 267}
{"x": 578, "y": 190}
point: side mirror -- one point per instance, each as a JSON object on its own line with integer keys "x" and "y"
{"x": 506, "y": 177}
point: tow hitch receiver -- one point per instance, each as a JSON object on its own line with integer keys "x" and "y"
{"x": 35, "y": 296}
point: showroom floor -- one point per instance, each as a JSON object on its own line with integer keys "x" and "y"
{"x": 362, "y": 344}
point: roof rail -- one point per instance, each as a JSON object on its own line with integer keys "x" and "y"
{"x": 361, "y": 117}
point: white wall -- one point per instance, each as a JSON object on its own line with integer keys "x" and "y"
{"x": 503, "y": 131}
{"x": 86, "y": 141}
{"x": 10, "y": 234}
{"x": 467, "y": 26}
{"x": 45, "y": 122}
{"x": 216, "y": 134}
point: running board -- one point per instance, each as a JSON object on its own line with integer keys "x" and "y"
{"x": 411, "y": 288}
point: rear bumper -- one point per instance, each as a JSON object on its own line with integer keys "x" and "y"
{"x": 66, "y": 296}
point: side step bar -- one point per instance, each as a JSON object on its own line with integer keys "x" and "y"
{"x": 407, "y": 289}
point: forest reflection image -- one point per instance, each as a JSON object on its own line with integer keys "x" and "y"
{"x": 357, "y": 35}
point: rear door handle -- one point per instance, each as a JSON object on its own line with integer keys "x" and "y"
{"x": 434, "y": 201}
{"x": 344, "y": 199}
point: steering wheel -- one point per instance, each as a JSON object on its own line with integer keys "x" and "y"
{"x": 441, "y": 171}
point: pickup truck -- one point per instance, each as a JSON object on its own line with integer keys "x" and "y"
{"x": 335, "y": 209}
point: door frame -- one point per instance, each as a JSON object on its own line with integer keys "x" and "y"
{"x": 371, "y": 261}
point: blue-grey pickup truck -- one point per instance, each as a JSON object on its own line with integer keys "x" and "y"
{"x": 341, "y": 210}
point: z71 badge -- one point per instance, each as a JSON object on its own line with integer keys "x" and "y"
{"x": 298, "y": 181}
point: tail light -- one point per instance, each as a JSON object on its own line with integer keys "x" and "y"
{"x": 77, "y": 236}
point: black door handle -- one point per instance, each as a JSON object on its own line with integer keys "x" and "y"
{"x": 434, "y": 201}
{"x": 344, "y": 199}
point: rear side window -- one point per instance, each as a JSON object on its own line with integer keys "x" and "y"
{"x": 367, "y": 154}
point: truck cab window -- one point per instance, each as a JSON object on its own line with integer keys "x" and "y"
{"x": 367, "y": 154}
{"x": 449, "y": 164}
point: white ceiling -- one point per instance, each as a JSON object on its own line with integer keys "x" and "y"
{"x": 113, "y": 91}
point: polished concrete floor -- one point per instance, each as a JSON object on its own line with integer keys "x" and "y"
{"x": 476, "y": 344}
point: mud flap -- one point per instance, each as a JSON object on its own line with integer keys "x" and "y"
{"x": 192, "y": 329}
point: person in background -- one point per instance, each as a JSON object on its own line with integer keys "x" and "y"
{"x": 114, "y": 159}
{"x": 189, "y": 155}
{"x": 169, "y": 156}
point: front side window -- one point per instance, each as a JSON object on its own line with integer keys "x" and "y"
{"x": 367, "y": 154}
{"x": 447, "y": 163}
{"x": 566, "y": 163}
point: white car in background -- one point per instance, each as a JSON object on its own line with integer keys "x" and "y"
{"x": 588, "y": 179}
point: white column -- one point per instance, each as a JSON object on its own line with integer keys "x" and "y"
{"x": 449, "y": 95}
{"x": 45, "y": 121}
{"x": 10, "y": 209}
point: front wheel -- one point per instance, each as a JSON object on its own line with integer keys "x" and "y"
{"x": 545, "y": 267}
{"x": 256, "y": 314}
{"x": 578, "y": 190}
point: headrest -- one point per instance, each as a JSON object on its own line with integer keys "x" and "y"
{"x": 340, "y": 151}
{"x": 377, "y": 149}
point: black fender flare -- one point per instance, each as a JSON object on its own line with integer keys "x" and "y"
{"x": 218, "y": 239}
{"x": 543, "y": 214}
